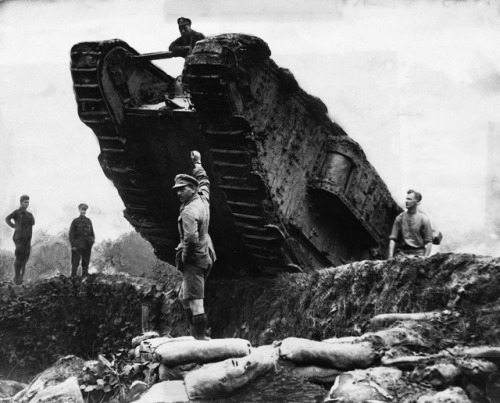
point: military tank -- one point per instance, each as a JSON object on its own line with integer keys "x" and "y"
{"x": 291, "y": 191}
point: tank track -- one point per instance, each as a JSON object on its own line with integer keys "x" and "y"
{"x": 234, "y": 152}
{"x": 90, "y": 79}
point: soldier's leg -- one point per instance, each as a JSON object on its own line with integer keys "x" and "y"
{"x": 193, "y": 290}
{"x": 85, "y": 261}
{"x": 26, "y": 256}
{"x": 75, "y": 261}
{"x": 18, "y": 263}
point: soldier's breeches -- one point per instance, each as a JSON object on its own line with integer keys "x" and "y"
{"x": 83, "y": 255}
{"x": 22, "y": 253}
{"x": 193, "y": 282}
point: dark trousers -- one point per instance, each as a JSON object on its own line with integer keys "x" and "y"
{"x": 82, "y": 254}
{"x": 22, "y": 253}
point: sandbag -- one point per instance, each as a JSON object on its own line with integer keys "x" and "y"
{"x": 10, "y": 388}
{"x": 313, "y": 373}
{"x": 341, "y": 356}
{"x": 402, "y": 335}
{"x": 347, "y": 389}
{"x": 486, "y": 352}
{"x": 388, "y": 318}
{"x": 165, "y": 392}
{"x": 438, "y": 375}
{"x": 223, "y": 378}
{"x": 145, "y": 336}
{"x": 201, "y": 351}
{"x": 64, "y": 392}
{"x": 176, "y": 373}
{"x": 148, "y": 347}
{"x": 63, "y": 369}
{"x": 450, "y": 395}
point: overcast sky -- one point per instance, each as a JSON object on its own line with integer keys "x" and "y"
{"x": 417, "y": 84}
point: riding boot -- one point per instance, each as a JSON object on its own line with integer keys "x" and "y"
{"x": 199, "y": 328}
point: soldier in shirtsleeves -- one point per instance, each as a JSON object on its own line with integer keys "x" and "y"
{"x": 411, "y": 233}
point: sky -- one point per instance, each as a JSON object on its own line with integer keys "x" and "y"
{"x": 417, "y": 84}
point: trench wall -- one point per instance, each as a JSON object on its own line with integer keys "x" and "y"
{"x": 42, "y": 321}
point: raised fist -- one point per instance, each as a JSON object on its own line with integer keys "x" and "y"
{"x": 195, "y": 157}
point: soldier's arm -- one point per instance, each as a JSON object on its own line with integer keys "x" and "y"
{"x": 190, "y": 229}
{"x": 71, "y": 234}
{"x": 178, "y": 47}
{"x": 427, "y": 236}
{"x": 92, "y": 232}
{"x": 201, "y": 176}
{"x": 393, "y": 237}
{"x": 9, "y": 219}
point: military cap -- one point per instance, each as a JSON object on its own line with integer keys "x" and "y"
{"x": 23, "y": 198}
{"x": 83, "y": 206}
{"x": 183, "y": 180}
{"x": 183, "y": 21}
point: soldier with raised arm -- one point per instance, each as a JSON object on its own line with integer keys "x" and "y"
{"x": 195, "y": 252}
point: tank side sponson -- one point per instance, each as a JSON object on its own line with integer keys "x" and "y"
{"x": 347, "y": 175}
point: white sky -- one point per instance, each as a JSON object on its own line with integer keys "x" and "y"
{"x": 415, "y": 83}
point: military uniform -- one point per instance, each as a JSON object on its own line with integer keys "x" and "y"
{"x": 23, "y": 225}
{"x": 81, "y": 238}
{"x": 178, "y": 47}
{"x": 195, "y": 252}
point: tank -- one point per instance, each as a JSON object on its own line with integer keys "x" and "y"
{"x": 290, "y": 190}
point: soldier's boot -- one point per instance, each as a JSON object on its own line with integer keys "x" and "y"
{"x": 199, "y": 328}
{"x": 189, "y": 316}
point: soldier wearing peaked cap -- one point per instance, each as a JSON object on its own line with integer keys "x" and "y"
{"x": 183, "y": 45}
{"x": 195, "y": 252}
{"x": 81, "y": 238}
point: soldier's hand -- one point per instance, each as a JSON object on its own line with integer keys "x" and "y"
{"x": 195, "y": 157}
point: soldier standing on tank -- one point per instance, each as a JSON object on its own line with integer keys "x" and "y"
{"x": 81, "y": 238}
{"x": 412, "y": 232}
{"x": 195, "y": 252}
{"x": 23, "y": 225}
{"x": 183, "y": 45}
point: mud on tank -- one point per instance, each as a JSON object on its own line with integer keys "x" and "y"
{"x": 290, "y": 190}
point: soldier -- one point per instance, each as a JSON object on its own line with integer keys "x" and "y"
{"x": 411, "y": 232}
{"x": 23, "y": 225}
{"x": 195, "y": 252}
{"x": 183, "y": 45}
{"x": 81, "y": 238}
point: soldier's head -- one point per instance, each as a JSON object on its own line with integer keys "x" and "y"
{"x": 184, "y": 26}
{"x": 185, "y": 186}
{"x": 82, "y": 208}
{"x": 413, "y": 199}
{"x": 24, "y": 200}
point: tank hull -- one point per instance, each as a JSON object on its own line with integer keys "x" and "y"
{"x": 290, "y": 190}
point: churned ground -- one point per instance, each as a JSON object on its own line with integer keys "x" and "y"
{"x": 42, "y": 321}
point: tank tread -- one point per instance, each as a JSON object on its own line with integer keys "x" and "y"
{"x": 114, "y": 156}
{"x": 232, "y": 149}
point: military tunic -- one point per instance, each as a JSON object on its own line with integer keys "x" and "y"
{"x": 196, "y": 253}
{"x": 23, "y": 231}
{"x": 178, "y": 45}
{"x": 81, "y": 238}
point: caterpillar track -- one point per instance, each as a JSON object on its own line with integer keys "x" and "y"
{"x": 290, "y": 190}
